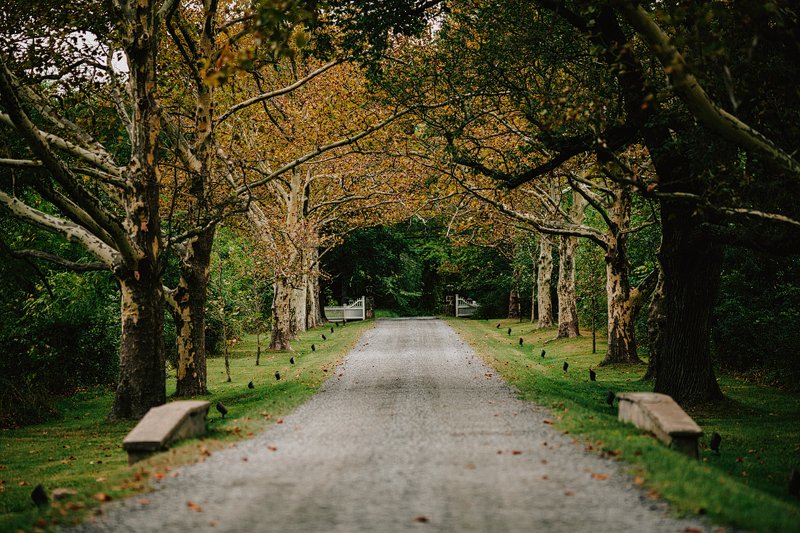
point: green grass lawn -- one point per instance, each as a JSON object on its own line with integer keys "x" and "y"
{"x": 82, "y": 451}
{"x": 745, "y": 486}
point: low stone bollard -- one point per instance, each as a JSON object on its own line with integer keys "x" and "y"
{"x": 164, "y": 425}
{"x": 662, "y": 416}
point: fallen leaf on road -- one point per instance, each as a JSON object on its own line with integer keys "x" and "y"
{"x": 143, "y": 501}
{"x": 194, "y": 506}
{"x": 422, "y": 519}
{"x": 569, "y": 493}
{"x": 102, "y": 497}
{"x": 600, "y": 476}
{"x": 638, "y": 480}
{"x": 547, "y": 421}
{"x": 516, "y": 452}
{"x": 272, "y": 448}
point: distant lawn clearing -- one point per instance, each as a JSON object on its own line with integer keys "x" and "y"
{"x": 83, "y": 452}
{"x": 746, "y": 486}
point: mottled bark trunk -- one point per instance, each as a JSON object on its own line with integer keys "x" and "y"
{"x": 142, "y": 380}
{"x": 313, "y": 307}
{"x": 621, "y": 327}
{"x": 299, "y": 304}
{"x": 544, "y": 281}
{"x": 281, "y": 316}
{"x": 142, "y": 377}
{"x": 189, "y": 313}
{"x": 621, "y": 309}
{"x": 567, "y": 294}
{"x": 513, "y": 304}
{"x": 655, "y": 326}
{"x": 691, "y": 263}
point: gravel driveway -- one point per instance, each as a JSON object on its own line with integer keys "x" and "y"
{"x": 413, "y": 433}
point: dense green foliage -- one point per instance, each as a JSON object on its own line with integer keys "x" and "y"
{"x": 757, "y": 317}
{"x": 411, "y": 267}
{"x": 59, "y": 331}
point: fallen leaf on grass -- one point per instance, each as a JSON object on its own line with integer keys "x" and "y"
{"x": 23, "y": 483}
{"x": 75, "y": 506}
{"x": 100, "y": 479}
{"x": 61, "y": 493}
{"x": 194, "y": 506}
{"x": 102, "y": 497}
{"x": 638, "y": 481}
{"x": 653, "y": 495}
{"x": 204, "y": 451}
{"x": 158, "y": 476}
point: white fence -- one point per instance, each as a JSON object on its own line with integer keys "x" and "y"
{"x": 465, "y": 307}
{"x": 353, "y": 311}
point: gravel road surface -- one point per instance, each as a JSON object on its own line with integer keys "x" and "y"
{"x": 412, "y": 433}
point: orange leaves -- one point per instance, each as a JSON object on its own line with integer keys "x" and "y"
{"x": 102, "y": 497}
{"x": 600, "y": 477}
{"x": 194, "y": 506}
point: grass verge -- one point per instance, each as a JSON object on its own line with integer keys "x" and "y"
{"x": 745, "y": 486}
{"x": 83, "y": 452}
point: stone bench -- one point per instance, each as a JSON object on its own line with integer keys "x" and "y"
{"x": 662, "y": 416}
{"x": 164, "y": 425}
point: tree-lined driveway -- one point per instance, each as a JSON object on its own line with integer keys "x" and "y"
{"x": 412, "y": 433}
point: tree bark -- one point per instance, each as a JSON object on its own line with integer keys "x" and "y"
{"x": 513, "y": 304}
{"x": 281, "y": 316}
{"x": 189, "y": 312}
{"x": 691, "y": 263}
{"x": 621, "y": 326}
{"x": 314, "y": 308}
{"x": 567, "y": 294}
{"x": 655, "y": 326}
{"x": 142, "y": 381}
{"x": 544, "y": 282}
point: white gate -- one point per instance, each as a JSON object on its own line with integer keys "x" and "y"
{"x": 465, "y": 307}
{"x": 356, "y": 310}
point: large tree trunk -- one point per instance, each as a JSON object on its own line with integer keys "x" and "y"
{"x": 142, "y": 377}
{"x": 567, "y": 295}
{"x": 655, "y": 325}
{"x": 142, "y": 381}
{"x": 513, "y": 304}
{"x": 188, "y": 309}
{"x": 314, "y": 307}
{"x": 691, "y": 263}
{"x": 281, "y": 316}
{"x": 544, "y": 280}
{"x": 621, "y": 326}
